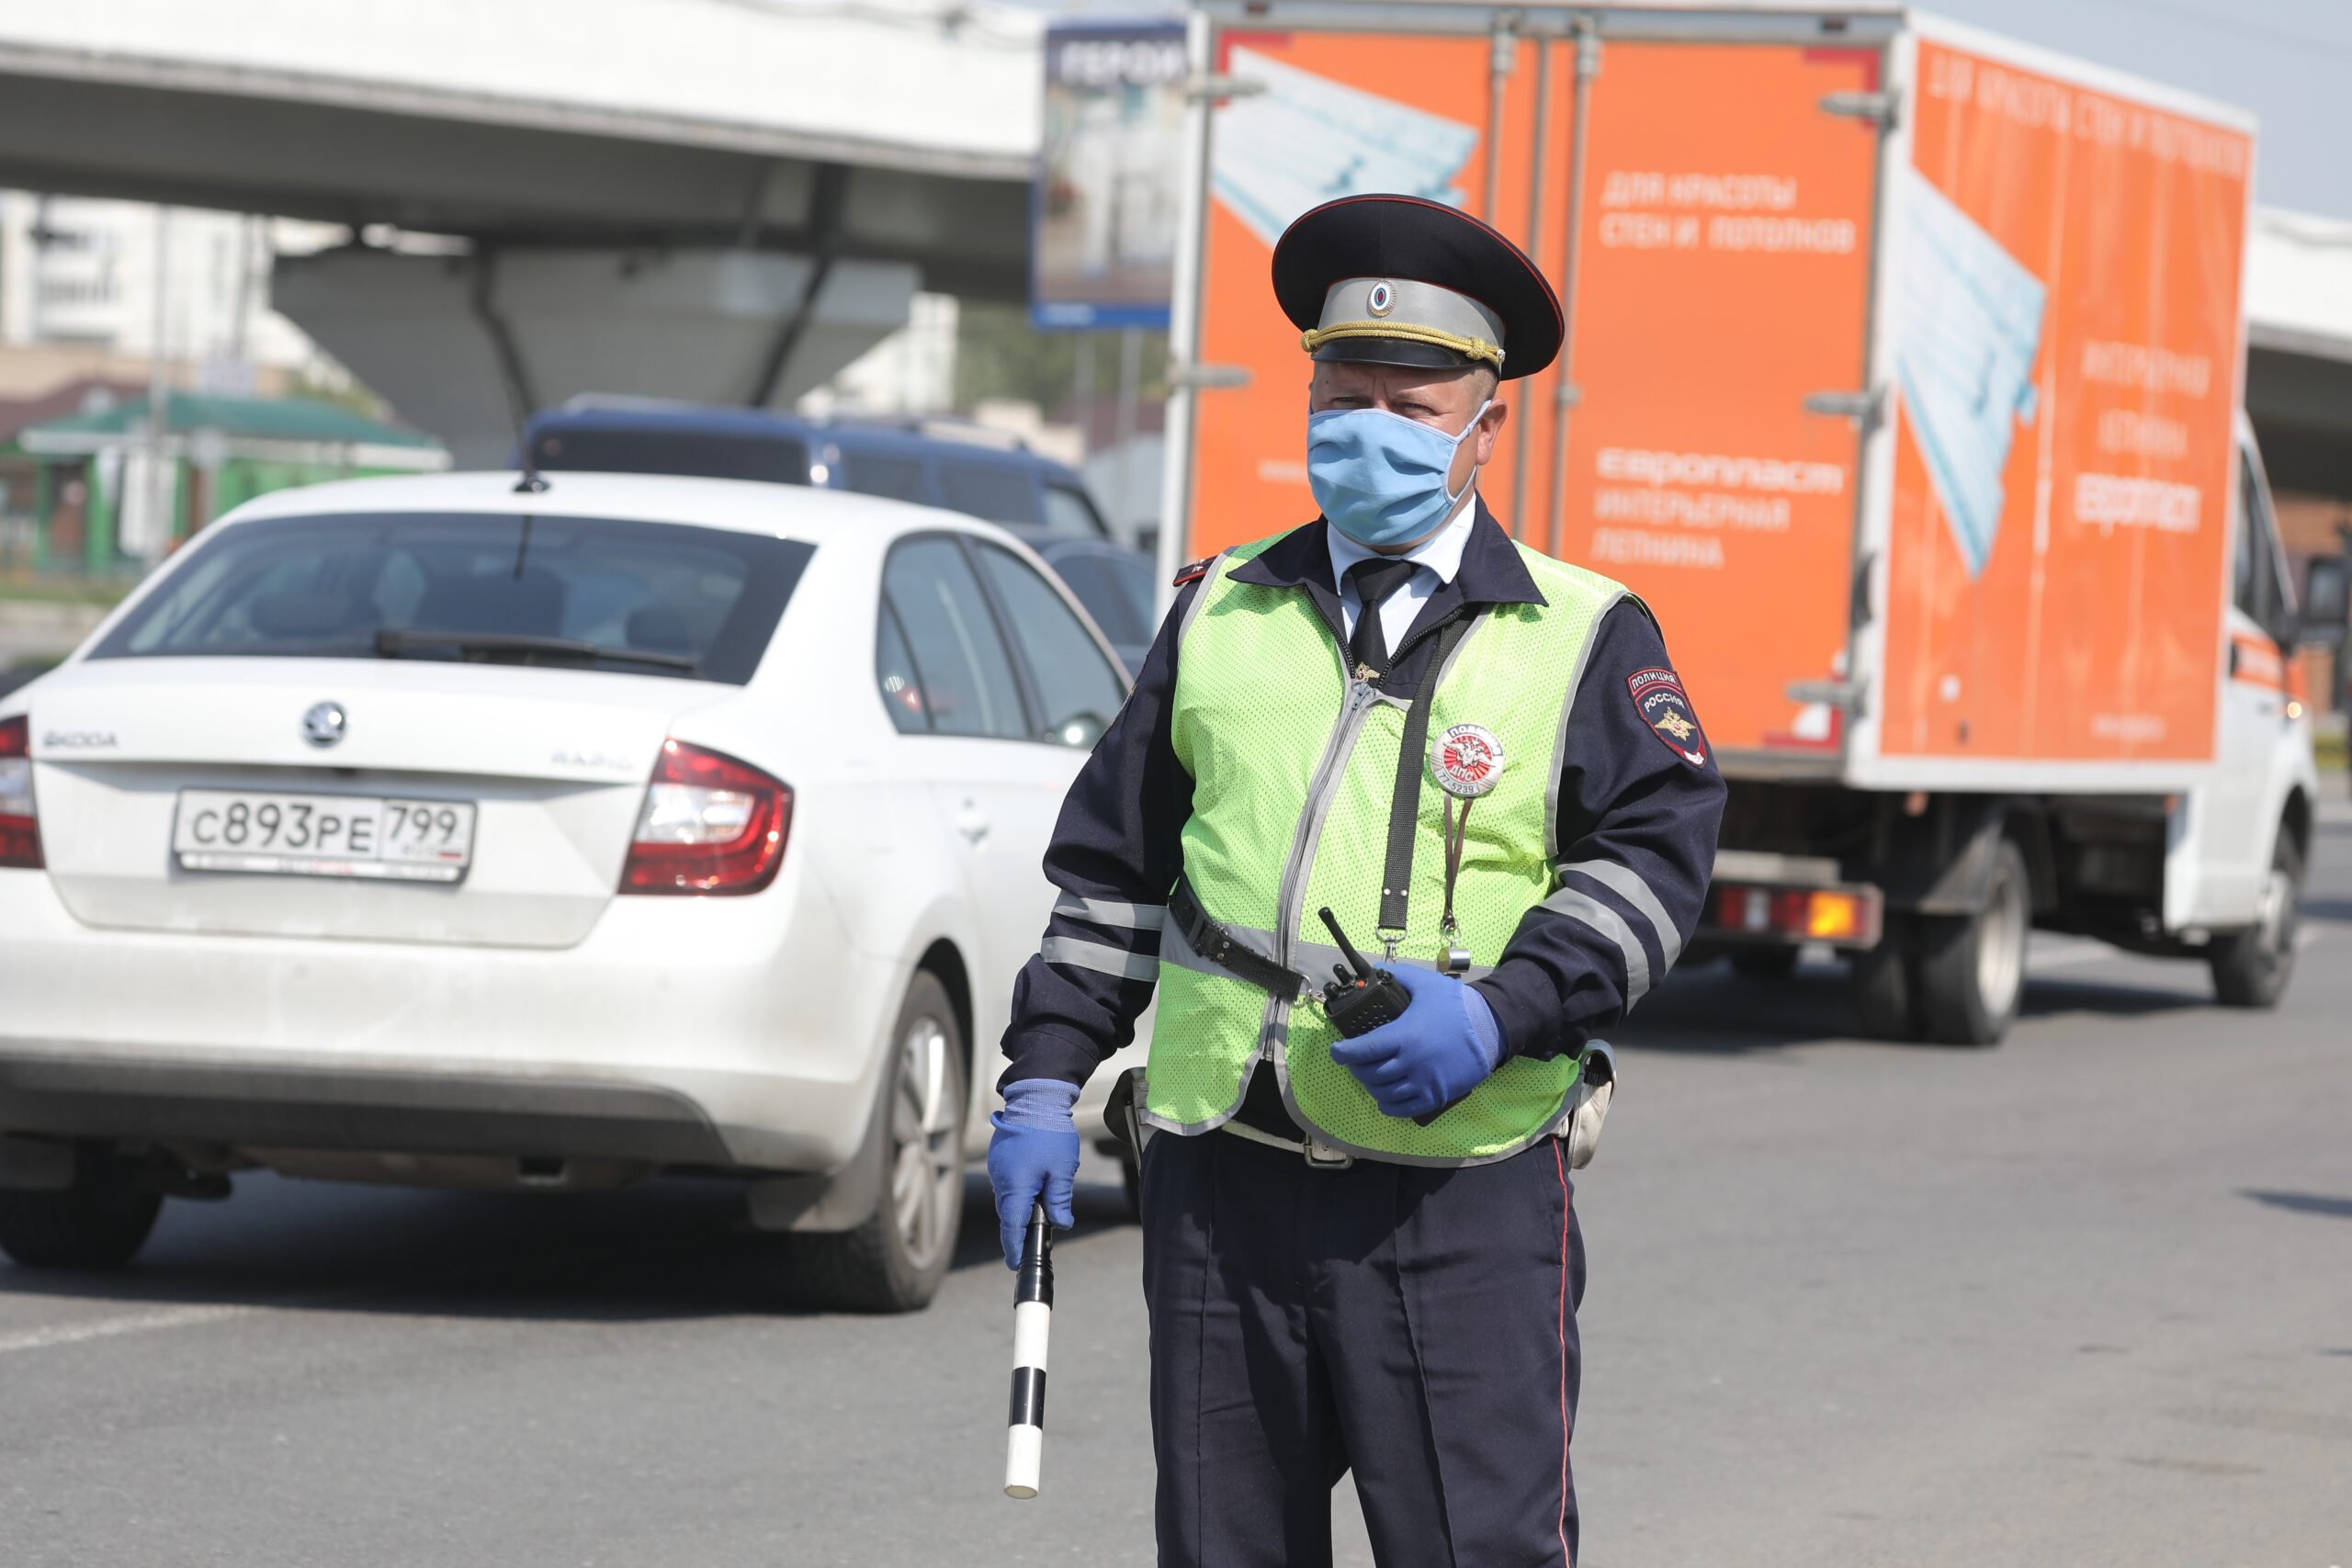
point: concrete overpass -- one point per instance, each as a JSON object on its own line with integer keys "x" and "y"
{"x": 2299, "y": 350}
{"x": 718, "y": 199}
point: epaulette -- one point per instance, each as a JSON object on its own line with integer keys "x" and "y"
{"x": 1195, "y": 572}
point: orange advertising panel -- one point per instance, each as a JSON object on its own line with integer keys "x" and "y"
{"x": 2067, "y": 368}
{"x": 1724, "y": 279}
{"x": 1339, "y": 113}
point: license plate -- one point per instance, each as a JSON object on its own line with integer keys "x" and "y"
{"x": 382, "y": 837}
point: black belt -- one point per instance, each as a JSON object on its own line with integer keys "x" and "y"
{"x": 1222, "y": 948}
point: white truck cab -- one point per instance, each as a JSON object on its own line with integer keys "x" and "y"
{"x": 2239, "y": 846}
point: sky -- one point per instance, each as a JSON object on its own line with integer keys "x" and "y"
{"x": 2289, "y": 62}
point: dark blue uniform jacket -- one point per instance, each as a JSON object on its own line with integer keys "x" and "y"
{"x": 1640, "y": 800}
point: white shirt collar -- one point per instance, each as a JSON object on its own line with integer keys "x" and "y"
{"x": 1441, "y": 552}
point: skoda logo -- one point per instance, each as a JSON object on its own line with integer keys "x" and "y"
{"x": 324, "y": 724}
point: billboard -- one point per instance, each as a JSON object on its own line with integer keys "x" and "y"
{"x": 2067, "y": 368}
{"x": 1103, "y": 211}
{"x": 1724, "y": 277}
{"x": 2024, "y": 561}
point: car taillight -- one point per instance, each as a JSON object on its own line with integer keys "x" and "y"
{"x": 19, "y": 823}
{"x": 709, "y": 824}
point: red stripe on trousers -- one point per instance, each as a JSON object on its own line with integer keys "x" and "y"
{"x": 1560, "y": 1165}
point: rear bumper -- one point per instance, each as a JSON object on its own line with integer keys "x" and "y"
{"x": 1773, "y": 900}
{"x": 65, "y": 1093}
{"x": 742, "y": 1032}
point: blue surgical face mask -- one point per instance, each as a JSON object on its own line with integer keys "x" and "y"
{"x": 1379, "y": 477}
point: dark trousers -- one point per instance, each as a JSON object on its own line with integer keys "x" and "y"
{"x": 1414, "y": 1326}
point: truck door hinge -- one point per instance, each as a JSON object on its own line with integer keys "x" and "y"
{"x": 1217, "y": 84}
{"x": 1505, "y": 50}
{"x": 1207, "y": 377}
{"x": 1857, "y": 608}
{"x": 1844, "y": 696}
{"x": 1880, "y": 108}
{"x": 1863, "y": 407}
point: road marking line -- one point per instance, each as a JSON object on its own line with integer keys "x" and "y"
{"x": 106, "y": 1328}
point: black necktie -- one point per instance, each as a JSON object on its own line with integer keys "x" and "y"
{"x": 1375, "y": 581}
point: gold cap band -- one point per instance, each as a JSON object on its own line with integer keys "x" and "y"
{"x": 1404, "y": 332}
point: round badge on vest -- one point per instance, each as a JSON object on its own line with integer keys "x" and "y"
{"x": 1467, "y": 761}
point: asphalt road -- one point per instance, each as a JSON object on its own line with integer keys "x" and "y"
{"x": 2083, "y": 1299}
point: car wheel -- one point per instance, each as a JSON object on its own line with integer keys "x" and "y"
{"x": 1764, "y": 963}
{"x": 100, "y": 1222}
{"x": 2251, "y": 967}
{"x": 1972, "y": 968}
{"x": 896, "y": 1259}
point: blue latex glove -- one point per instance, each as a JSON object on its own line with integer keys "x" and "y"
{"x": 1032, "y": 1155}
{"x": 1442, "y": 1049}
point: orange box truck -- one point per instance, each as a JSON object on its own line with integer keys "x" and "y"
{"x": 1902, "y": 381}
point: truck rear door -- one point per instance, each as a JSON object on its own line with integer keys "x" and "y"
{"x": 1713, "y": 247}
{"x": 2064, "y": 365}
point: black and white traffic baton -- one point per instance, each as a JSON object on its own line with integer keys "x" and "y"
{"x": 1033, "y": 1318}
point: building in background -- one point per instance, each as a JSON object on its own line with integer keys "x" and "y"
{"x": 911, "y": 371}
{"x": 107, "y": 308}
{"x": 130, "y": 279}
{"x": 206, "y": 455}
{"x": 2298, "y": 394}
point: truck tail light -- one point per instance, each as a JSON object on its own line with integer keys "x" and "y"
{"x": 19, "y": 823}
{"x": 710, "y": 824}
{"x": 1845, "y": 916}
{"x": 1833, "y": 917}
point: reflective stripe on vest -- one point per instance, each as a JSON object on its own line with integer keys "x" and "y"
{"x": 1293, "y": 766}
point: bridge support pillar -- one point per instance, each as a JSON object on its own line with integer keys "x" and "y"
{"x": 462, "y": 345}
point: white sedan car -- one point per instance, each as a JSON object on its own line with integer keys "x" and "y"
{"x": 439, "y": 832}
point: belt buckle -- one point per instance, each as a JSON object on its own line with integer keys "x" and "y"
{"x": 1321, "y": 1156}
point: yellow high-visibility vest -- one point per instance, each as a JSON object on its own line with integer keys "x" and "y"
{"x": 1293, "y": 767}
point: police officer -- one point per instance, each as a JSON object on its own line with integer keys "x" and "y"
{"x": 1361, "y": 1252}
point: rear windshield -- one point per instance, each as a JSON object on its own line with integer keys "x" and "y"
{"x": 998, "y": 494}
{"x": 640, "y": 598}
{"x": 1115, "y": 590}
{"x": 708, "y": 454}
{"x": 875, "y": 473}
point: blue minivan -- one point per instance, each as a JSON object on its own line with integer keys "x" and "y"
{"x": 960, "y": 466}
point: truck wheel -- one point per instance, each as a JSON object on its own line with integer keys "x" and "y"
{"x": 100, "y": 1222}
{"x": 1972, "y": 968}
{"x": 895, "y": 1261}
{"x": 1764, "y": 963}
{"x": 1886, "y": 983}
{"x": 2251, "y": 967}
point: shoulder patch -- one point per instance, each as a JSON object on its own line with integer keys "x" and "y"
{"x": 1195, "y": 572}
{"x": 1658, "y": 698}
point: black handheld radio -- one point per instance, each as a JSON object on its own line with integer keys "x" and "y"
{"x": 1359, "y": 1003}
